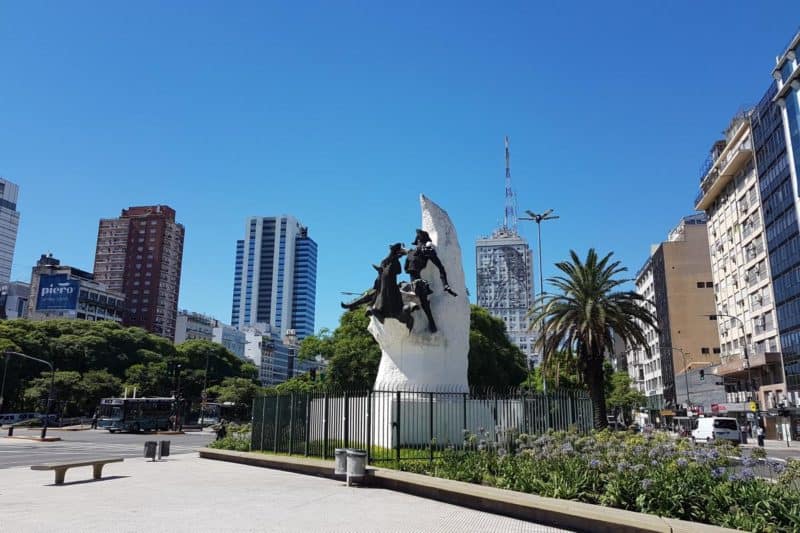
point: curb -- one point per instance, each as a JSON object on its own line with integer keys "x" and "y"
{"x": 547, "y": 511}
{"x": 36, "y": 439}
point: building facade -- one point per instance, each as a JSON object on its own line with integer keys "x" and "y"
{"x": 60, "y": 291}
{"x": 741, "y": 269}
{"x": 274, "y": 354}
{"x": 230, "y": 337}
{"x": 193, "y": 326}
{"x": 275, "y": 276}
{"x": 504, "y": 265}
{"x": 644, "y": 363}
{"x": 677, "y": 283}
{"x": 14, "y": 297}
{"x": 9, "y": 225}
{"x": 140, "y": 254}
{"x": 779, "y": 170}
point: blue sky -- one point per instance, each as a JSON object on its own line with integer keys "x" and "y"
{"x": 341, "y": 113}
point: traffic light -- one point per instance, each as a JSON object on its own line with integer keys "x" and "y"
{"x": 702, "y": 375}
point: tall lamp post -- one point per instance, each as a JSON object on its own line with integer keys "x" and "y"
{"x": 685, "y": 372}
{"x": 204, "y": 395}
{"x": 539, "y": 218}
{"x": 52, "y": 383}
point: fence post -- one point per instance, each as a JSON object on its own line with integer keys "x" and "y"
{"x": 369, "y": 426}
{"x": 430, "y": 425}
{"x": 308, "y": 421}
{"x": 277, "y": 419}
{"x": 464, "y": 428}
{"x": 325, "y": 426}
{"x": 291, "y": 423}
{"x": 345, "y": 413}
{"x": 397, "y": 426}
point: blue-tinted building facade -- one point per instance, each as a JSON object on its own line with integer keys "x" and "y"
{"x": 275, "y": 276}
{"x": 776, "y": 138}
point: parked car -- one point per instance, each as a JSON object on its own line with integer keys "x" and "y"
{"x": 717, "y": 427}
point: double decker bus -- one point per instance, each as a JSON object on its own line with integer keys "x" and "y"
{"x": 135, "y": 414}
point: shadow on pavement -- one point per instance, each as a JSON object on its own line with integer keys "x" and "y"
{"x": 82, "y": 481}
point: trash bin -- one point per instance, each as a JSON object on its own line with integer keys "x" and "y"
{"x": 164, "y": 448}
{"x": 150, "y": 449}
{"x": 356, "y": 464}
{"x": 744, "y": 436}
{"x": 340, "y": 462}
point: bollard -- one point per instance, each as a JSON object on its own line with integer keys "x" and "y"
{"x": 340, "y": 464}
{"x": 164, "y": 448}
{"x": 150, "y": 449}
{"x": 356, "y": 464}
{"x": 11, "y": 430}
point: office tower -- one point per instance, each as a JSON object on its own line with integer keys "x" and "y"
{"x": 676, "y": 280}
{"x": 9, "y": 224}
{"x": 504, "y": 267}
{"x": 140, "y": 255}
{"x": 275, "y": 276}
{"x": 14, "y": 297}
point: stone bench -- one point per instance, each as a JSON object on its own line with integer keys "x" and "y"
{"x": 61, "y": 468}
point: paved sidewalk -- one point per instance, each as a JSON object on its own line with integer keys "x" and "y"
{"x": 189, "y": 494}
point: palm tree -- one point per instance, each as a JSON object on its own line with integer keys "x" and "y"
{"x": 584, "y": 319}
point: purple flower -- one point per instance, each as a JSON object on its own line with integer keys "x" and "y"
{"x": 594, "y": 463}
{"x": 747, "y": 474}
{"x": 777, "y": 466}
{"x": 681, "y": 462}
{"x": 622, "y": 466}
{"x": 749, "y": 462}
{"x": 646, "y": 483}
{"x": 718, "y": 472}
{"x": 567, "y": 448}
{"x": 654, "y": 463}
{"x": 638, "y": 468}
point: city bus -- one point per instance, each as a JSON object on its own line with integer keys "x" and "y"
{"x": 212, "y": 413}
{"x": 135, "y": 414}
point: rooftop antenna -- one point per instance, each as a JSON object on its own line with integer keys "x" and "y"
{"x": 510, "y": 218}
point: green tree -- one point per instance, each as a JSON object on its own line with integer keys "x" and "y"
{"x": 96, "y": 385}
{"x": 494, "y": 362}
{"x": 239, "y": 391}
{"x": 623, "y": 397}
{"x": 68, "y": 392}
{"x": 584, "y": 318}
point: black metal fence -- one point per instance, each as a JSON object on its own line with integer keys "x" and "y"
{"x": 398, "y": 425}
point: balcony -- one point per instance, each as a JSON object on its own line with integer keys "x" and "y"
{"x": 736, "y": 153}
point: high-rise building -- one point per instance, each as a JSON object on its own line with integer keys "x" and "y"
{"x": 9, "y": 224}
{"x": 140, "y": 255}
{"x": 275, "y": 277}
{"x": 740, "y": 267}
{"x": 504, "y": 268}
{"x": 194, "y": 326}
{"x": 63, "y": 292}
{"x": 231, "y": 338}
{"x": 778, "y": 159}
{"x": 504, "y": 264}
{"x": 676, "y": 280}
{"x": 14, "y": 297}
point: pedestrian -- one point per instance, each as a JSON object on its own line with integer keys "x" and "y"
{"x": 222, "y": 430}
{"x": 760, "y": 433}
{"x": 94, "y": 419}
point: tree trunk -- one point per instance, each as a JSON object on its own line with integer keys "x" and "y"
{"x": 594, "y": 378}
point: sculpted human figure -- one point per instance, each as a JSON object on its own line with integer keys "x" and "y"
{"x": 416, "y": 260}
{"x": 388, "y": 302}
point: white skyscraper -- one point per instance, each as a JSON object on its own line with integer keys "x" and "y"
{"x": 9, "y": 224}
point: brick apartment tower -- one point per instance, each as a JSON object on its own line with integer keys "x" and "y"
{"x": 139, "y": 254}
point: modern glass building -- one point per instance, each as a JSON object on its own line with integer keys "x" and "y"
{"x": 776, "y": 132}
{"x": 275, "y": 276}
{"x": 9, "y": 225}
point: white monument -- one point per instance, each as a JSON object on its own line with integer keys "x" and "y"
{"x": 418, "y": 360}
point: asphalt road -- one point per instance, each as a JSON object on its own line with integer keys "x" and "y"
{"x": 75, "y": 445}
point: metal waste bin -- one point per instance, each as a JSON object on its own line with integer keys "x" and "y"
{"x": 356, "y": 464}
{"x": 340, "y": 462}
{"x": 164, "y": 448}
{"x": 150, "y": 449}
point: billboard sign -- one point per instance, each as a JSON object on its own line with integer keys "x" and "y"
{"x": 57, "y": 293}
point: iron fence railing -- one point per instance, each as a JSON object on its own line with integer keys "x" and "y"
{"x": 400, "y": 425}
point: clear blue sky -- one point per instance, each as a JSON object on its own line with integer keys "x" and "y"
{"x": 341, "y": 113}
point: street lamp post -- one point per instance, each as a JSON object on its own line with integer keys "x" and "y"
{"x": 52, "y": 383}
{"x": 539, "y": 218}
{"x": 685, "y": 373}
{"x": 204, "y": 395}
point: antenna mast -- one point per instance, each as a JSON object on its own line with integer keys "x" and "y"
{"x": 510, "y": 219}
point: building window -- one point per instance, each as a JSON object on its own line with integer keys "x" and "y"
{"x": 717, "y": 350}
{"x": 700, "y": 284}
{"x": 704, "y": 350}
{"x": 709, "y": 284}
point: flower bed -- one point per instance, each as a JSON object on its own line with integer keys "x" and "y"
{"x": 654, "y": 474}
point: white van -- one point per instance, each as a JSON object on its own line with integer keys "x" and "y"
{"x": 717, "y": 427}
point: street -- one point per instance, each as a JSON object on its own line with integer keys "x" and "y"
{"x": 90, "y": 443}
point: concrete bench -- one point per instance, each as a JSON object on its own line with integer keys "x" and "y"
{"x": 61, "y": 468}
